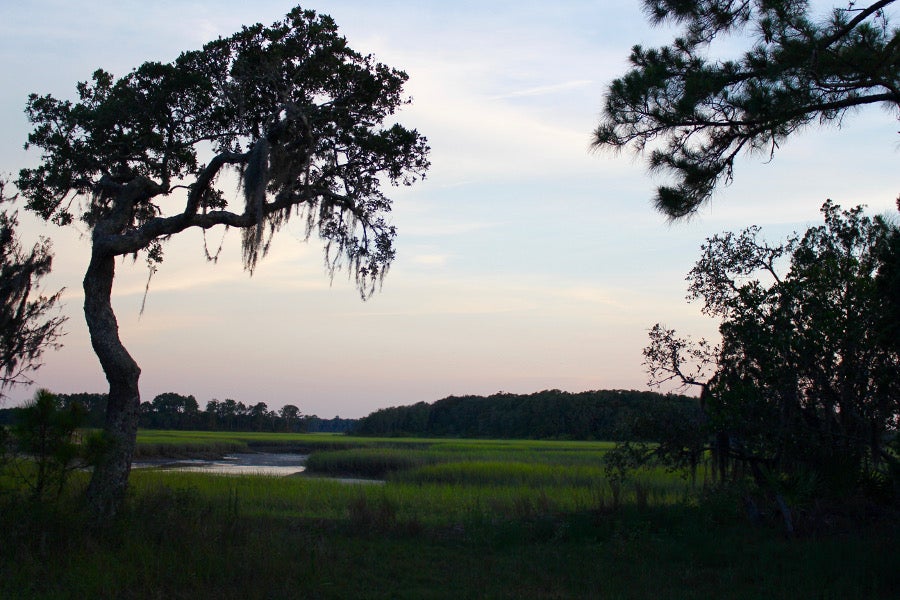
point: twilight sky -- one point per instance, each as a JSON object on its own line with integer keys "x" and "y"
{"x": 525, "y": 261}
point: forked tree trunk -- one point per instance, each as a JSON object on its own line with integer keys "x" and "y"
{"x": 109, "y": 482}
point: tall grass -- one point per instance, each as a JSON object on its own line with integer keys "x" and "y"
{"x": 379, "y": 458}
{"x": 169, "y": 443}
{"x": 186, "y": 535}
{"x": 560, "y": 470}
{"x": 453, "y": 519}
{"x": 163, "y": 443}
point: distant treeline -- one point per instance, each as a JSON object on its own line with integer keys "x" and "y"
{"x": 175, "y": 411}
{"x": 551, "y": 414}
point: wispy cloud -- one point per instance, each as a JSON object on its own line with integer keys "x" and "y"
{"x": 524, "y": 260}
{"x": 546, "y": 89}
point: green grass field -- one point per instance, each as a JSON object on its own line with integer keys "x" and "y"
{"x": 454, "y": 519}
{"x": 169, "y": 444}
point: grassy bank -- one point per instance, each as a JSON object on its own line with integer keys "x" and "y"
{"x": 455, "y": 519}
{"x": 152, "y": 443}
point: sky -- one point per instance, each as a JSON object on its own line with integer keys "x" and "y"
{"x": 525, "y": 261}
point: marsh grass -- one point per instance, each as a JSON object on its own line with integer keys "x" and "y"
{"x": 569, "y": 475}
{"x": 453, "y": 520}
{"x": 191, "y": 444}
{"x": 368, "y": 462}
{"x": 381, "y": 457}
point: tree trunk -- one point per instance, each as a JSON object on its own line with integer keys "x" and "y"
{"x": 106, "y": 491}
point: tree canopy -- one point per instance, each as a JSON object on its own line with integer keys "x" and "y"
{"x": 804, "y": 384}
{"x": 290, "y": 107}
{"x": 550, "y": 414}
{"x": 692, "y": 114}
{"x": 304, "y": 121}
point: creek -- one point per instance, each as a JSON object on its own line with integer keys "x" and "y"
{"x": 256, "y": 463}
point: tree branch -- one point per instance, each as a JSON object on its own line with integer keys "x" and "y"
{"x": 137, "y": 239}
{"x": 199, "y": 187}
{"x": 864, "y": 14}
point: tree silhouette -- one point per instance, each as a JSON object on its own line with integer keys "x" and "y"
{"x": 804, "y": 384}
{"x": 305, "y": 122}
{"x": 694, "y": 115}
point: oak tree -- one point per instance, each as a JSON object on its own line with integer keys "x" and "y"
{"x": 306, "y": 123}
{"x": 804, "y": 384}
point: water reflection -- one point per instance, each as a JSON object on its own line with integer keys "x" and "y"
{"x": 261, "y": 463}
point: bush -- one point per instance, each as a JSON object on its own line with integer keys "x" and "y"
{"x": 44, "y": 445}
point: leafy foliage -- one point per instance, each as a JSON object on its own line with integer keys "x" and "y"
{"x": 27, "y": 325}
{"x": 804, "y": 384}
{"x": 693, "y": 114}
{"x": 45, "y": 439}
{"x": 291, "y": 107}
{"x": 888, "y": 285}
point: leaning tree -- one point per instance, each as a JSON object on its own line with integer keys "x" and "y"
{"x": 305, "y": 122}
{"x": 692, "y": 115}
